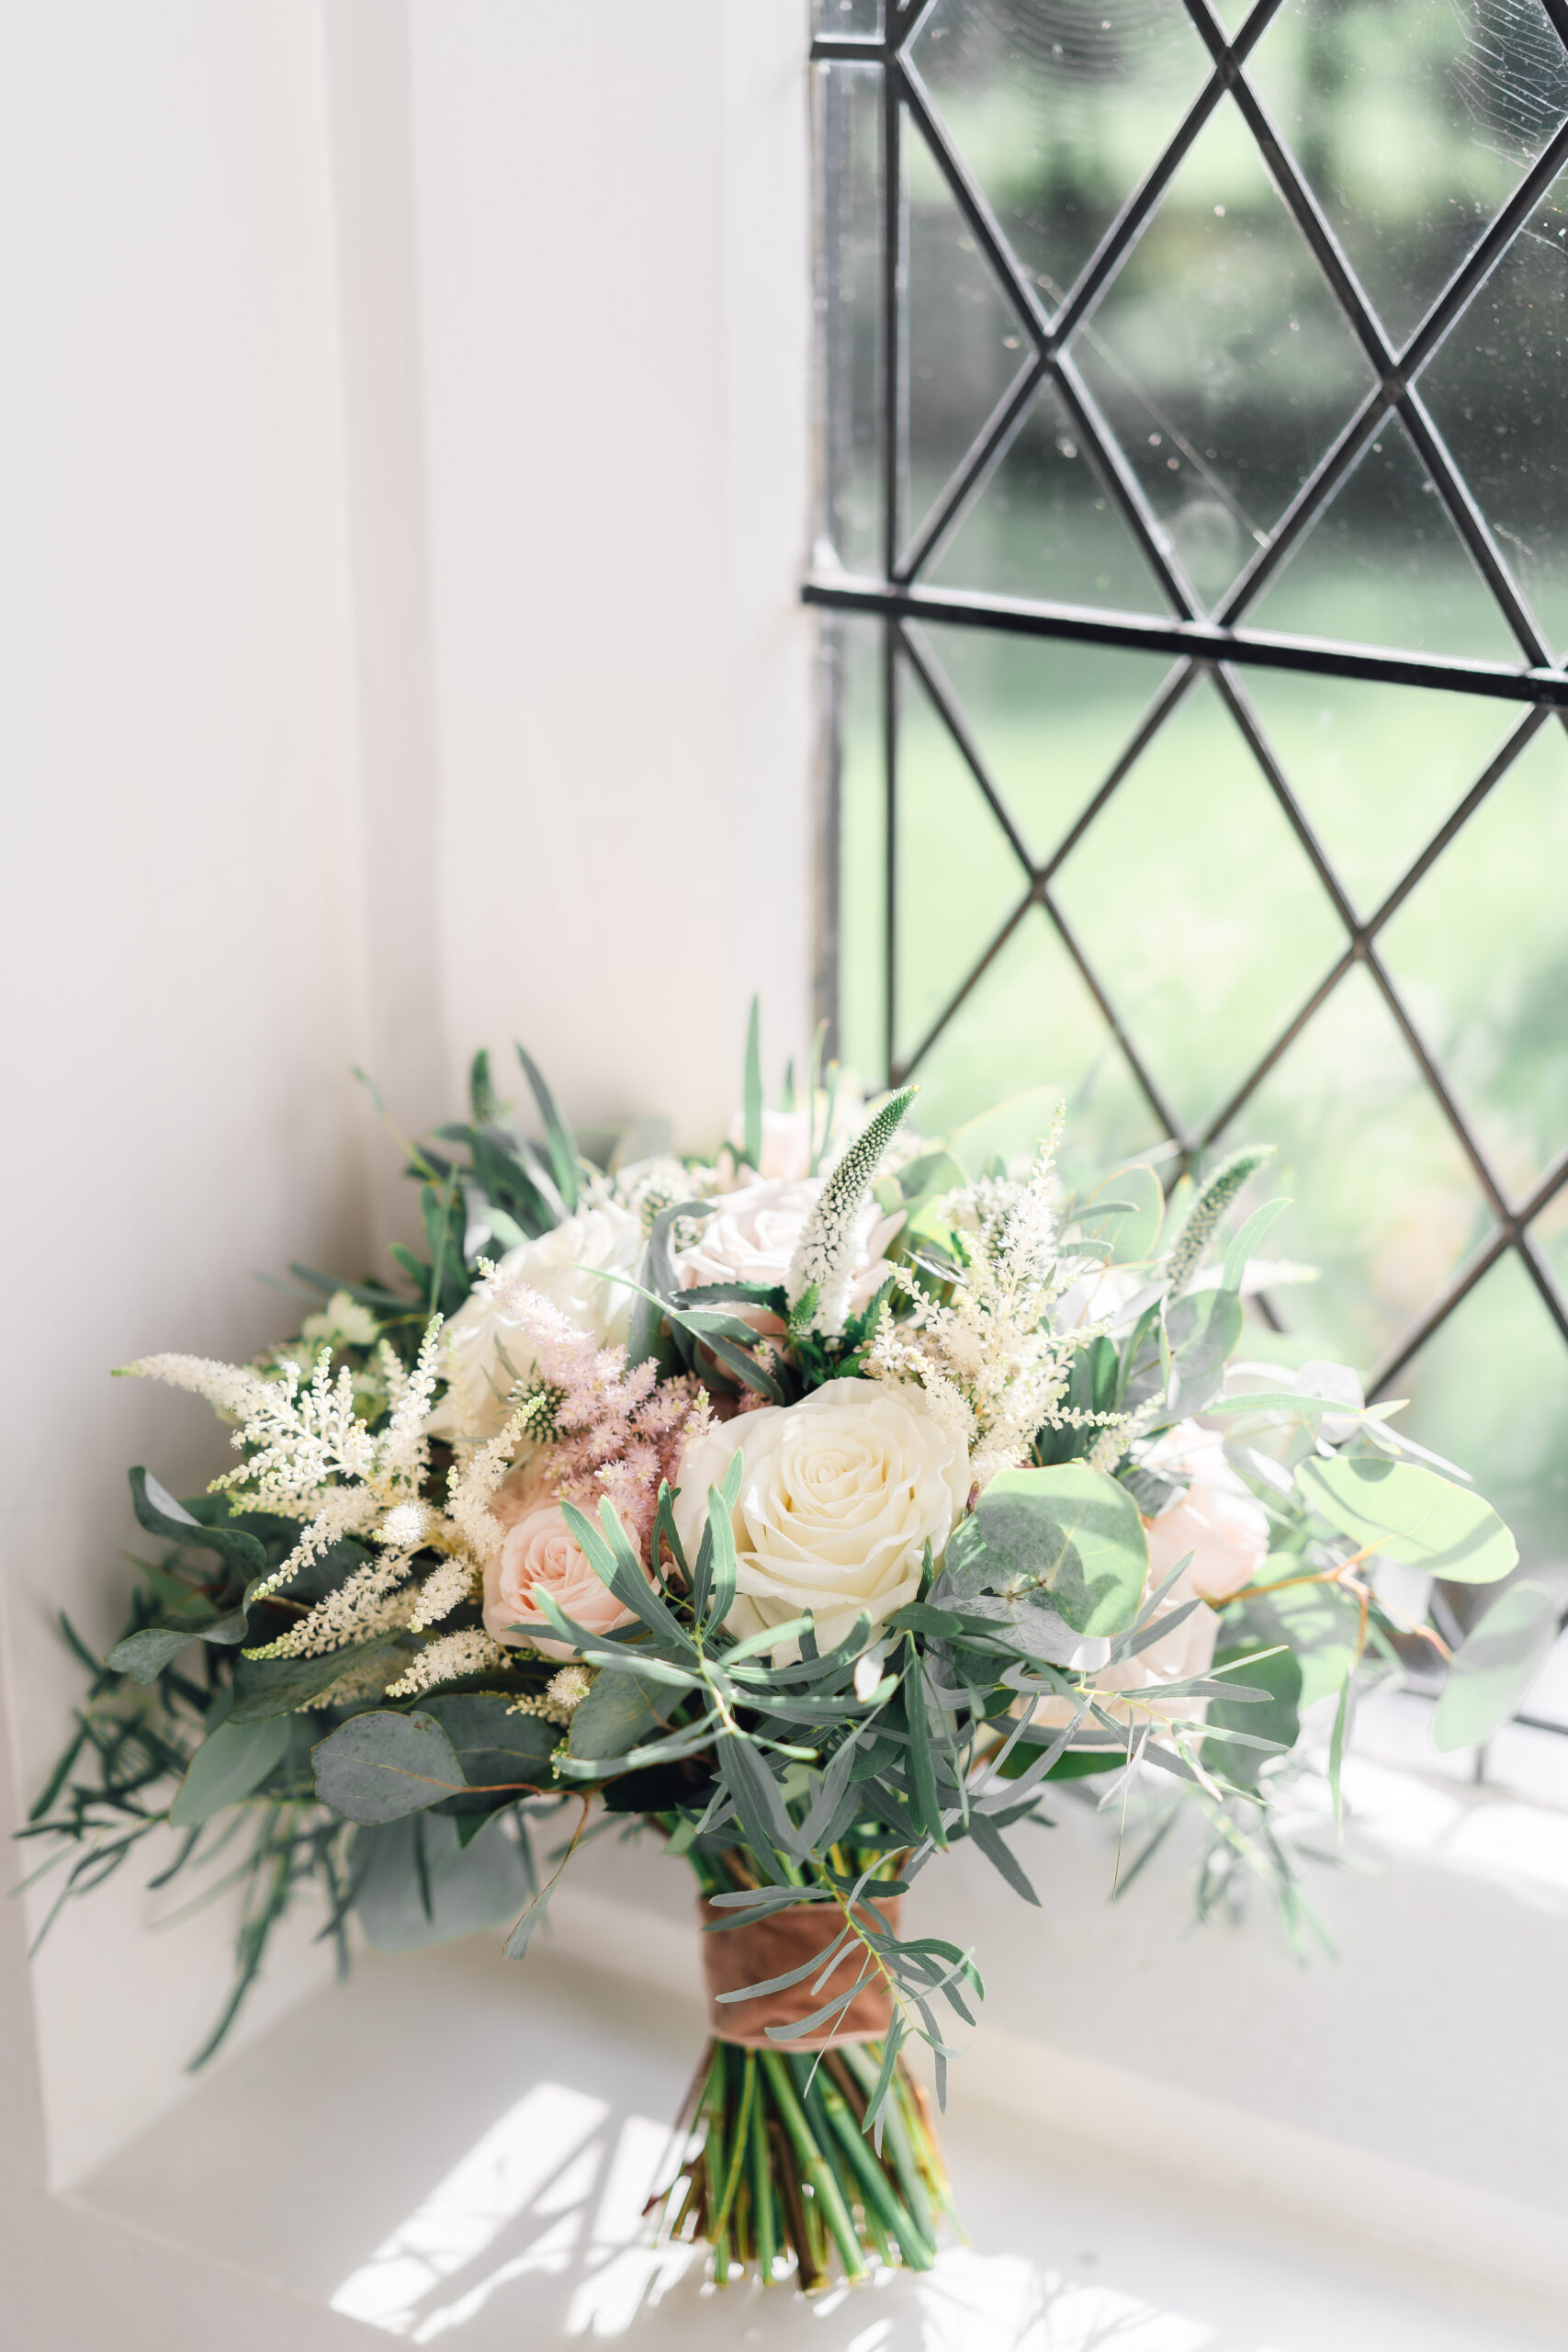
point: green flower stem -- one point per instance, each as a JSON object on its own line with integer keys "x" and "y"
{"x": 742, "y": 2137}
{"x": 865, "y": 2065}
{"x": 826, "y": 2099}
{"x": 800, "y": 2226}
{"x": 825, "y": 2191}
{"x": 762, "y": 2189}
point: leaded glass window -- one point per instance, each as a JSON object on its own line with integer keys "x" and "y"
{"x": 1193, "y": 549}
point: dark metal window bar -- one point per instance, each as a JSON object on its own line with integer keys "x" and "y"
{"x": 1219, "y": 647}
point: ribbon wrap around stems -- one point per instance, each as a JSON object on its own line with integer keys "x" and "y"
{"x": 757, "y": 1949}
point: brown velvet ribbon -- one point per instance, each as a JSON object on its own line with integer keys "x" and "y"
{"x": 751, "y": 1954}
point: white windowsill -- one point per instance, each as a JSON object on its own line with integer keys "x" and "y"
{"x": 449, "y": 2147}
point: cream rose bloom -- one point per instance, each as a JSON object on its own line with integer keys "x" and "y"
{"x": 752, "y": 1238}
{"x": 840, "y": 1497}
{"x": 541, "y": 1549}
{"x": 564, "y": 1267}
{"x": 1223, "y": 1526}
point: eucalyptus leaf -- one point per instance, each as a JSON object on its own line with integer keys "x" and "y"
{"x": 380, "y": 1765}
{"x": 1410, "y": 1514}
{"x": 472, "y": 1886}
{"x": 1494, "y": 1666}
{"x": 618, "y": 1715}
{"x": 1278, "y": 1718}
{"x": 231, "y": 1761}
{"x": 501, "y": 1754}
{"x": 1131, "y": 1234}
{"x": 1069, "y": 1536}
{"x": 157, "y": 1511}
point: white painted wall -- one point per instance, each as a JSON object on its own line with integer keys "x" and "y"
{"x": 613, "y": 263}
{"x": 181, "y": 936}
{"x": 402, "y": 464}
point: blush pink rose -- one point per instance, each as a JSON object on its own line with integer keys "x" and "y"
{"x": 1223, "y": 1526}
{"x": 541, "y": 1550}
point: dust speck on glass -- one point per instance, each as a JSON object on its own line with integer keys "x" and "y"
{"x": 1192, "y": 544}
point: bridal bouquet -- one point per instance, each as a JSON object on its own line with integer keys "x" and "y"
{"x": 811, "y": 1509}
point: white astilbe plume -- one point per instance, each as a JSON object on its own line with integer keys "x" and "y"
{"x": 370, "y": 1601}
{"x": 366, "y": 1679}
{"x": 308, "y": 1455}
{"x": 446, "y": 1588}
{"x": 234, "y": 1390}
{"x": 823, "y": 1267}
{"x": 561, "y": 1696}
{"x": 448, "y": 1658}
{"x": 474, "y": 1479}
{"x": 992, "y": 1368}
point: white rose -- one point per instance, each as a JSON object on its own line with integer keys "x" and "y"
{"x": 564, "y": 1267}
{"x": 752, "y": 1238}
{"x": 840, "y": 1495}
{"x": 1223, "y": 1526}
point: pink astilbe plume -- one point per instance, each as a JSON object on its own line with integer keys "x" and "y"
{"x": 609, "y": 1431}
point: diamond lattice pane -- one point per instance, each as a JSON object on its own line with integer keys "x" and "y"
{"x": 1384, "y": 564}
{"x": 1059, "y": 112}
{"x": 1049, "y": 719}
{"x": 1412, "y": 124}
{"x": 848, "y": 102}
{"x": 1550, "y": 1235}
{"x": 1375, "y": 768}
{"x": 966, "y": 344}
{"x": 855, "y": 647}
{"x": 1479, "y": 954}
{"x": 1191, "y": 899}
{"x": 1031, "y": 1023}
{"x": 1490, "y": 1391}
{"x": 1221, "y": 357}
{"x": 1046, "y": 525}
{"x": 958, "y": 879}
{"x": 1382, "y": 1199}
{"x": 1498, "y": 393}
{"x": 847, "y": 17}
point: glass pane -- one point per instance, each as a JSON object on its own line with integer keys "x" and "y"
{"x": 1046, "y": 527}
{"x": 1490, "y": 1391}
{"x": 1479, "y": 954}
{"x": 958, "y": 878}
{"x": 1412, "y": 123}
{"x": 1384, "y": 564}
{"x": 1382, "y": 1200}
{"x": 848, "y": 16}
{"x": 1059, "y": 111}
{"x": 863, "y": 852}
{"x": 1192, "y": 901}
{"x": 1375, "y": 768}
{"x": 1031, "y": 1022}
{"x": 966, "y": 344}
{"x": 1498, "y": 392}
{"x": 1049, "y": 719}
{"x": 1221, "y": 356}
{"x": 849, "y": 351}
{"x": 1550, "y": 1234}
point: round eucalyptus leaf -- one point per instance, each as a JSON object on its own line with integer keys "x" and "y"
{"x": 1067, "y": 1537}
{"x": 378, "y": 1766}
{"x": 1494, "y": 1666}
{"x": 1410, "y": 1514}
